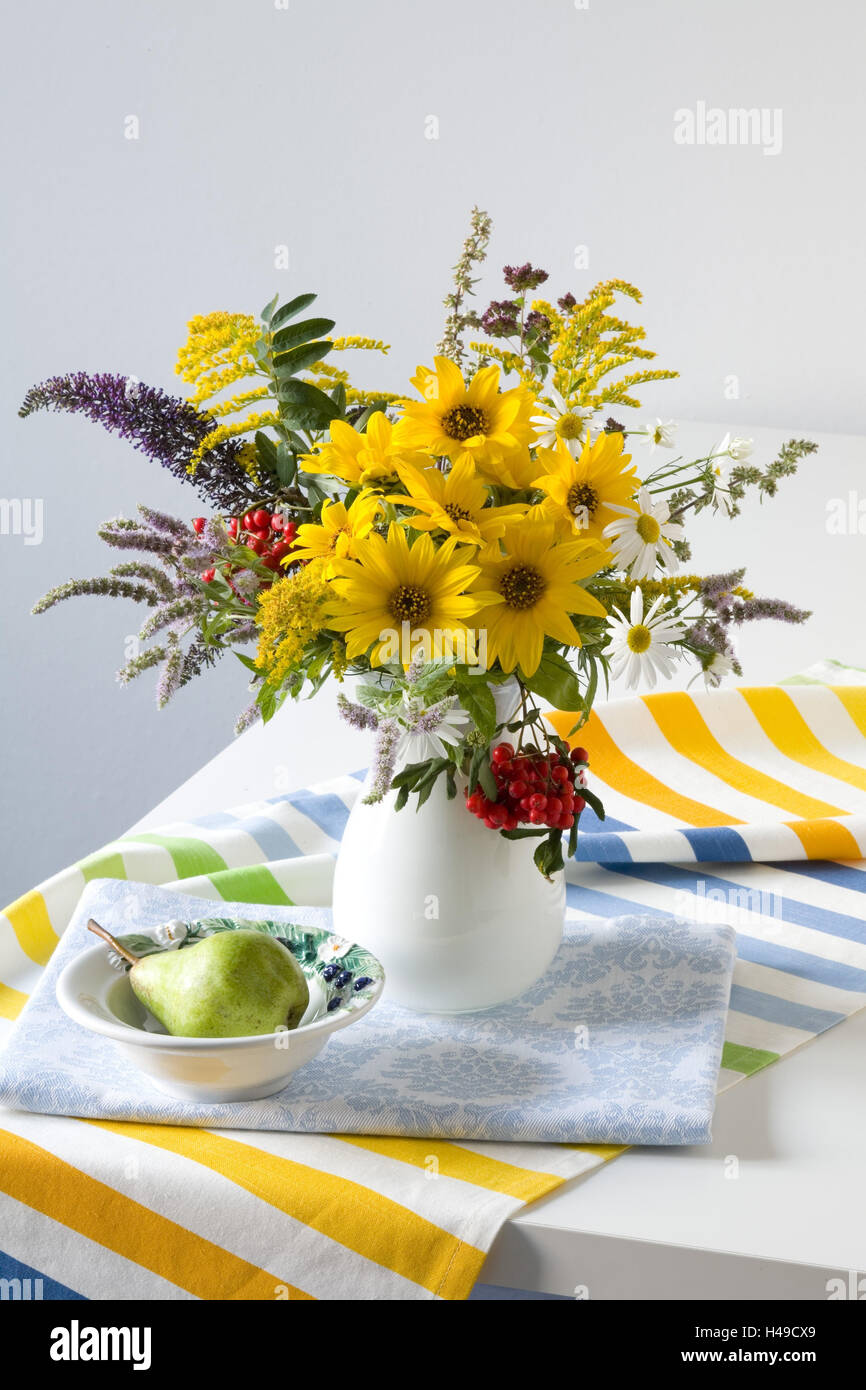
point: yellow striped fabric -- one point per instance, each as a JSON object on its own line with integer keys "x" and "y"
{"x": 767, "y": 786}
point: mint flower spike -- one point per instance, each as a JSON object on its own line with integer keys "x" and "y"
{"x": 384, "y": 760}
{"x": 356, "y": 715}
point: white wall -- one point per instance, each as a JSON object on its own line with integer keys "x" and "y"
{"x": 306, "y": 126}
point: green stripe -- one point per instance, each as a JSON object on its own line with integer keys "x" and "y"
{"x": 105, "y": 863}
{"x": 191, "y": 857}
{"x": 255, "y": 884}
{"x": 747, "y": 1060}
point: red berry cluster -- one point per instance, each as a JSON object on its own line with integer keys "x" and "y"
{"x": 268, "y": 534}
{"x": 534, "y": 787}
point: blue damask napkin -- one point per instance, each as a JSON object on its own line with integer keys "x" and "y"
{"x": 619, "y": 1043}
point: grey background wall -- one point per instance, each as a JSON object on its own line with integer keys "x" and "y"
{"x": 306, "y": 125}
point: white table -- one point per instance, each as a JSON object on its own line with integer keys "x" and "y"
{"x": 677, "y": 1223}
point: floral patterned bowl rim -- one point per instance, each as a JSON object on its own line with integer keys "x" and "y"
{"x": 345, "y": 981}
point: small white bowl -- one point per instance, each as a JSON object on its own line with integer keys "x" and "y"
{"x": 96, "y": 995}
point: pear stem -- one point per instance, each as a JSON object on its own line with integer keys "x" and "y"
{"x": 112, "y": 942}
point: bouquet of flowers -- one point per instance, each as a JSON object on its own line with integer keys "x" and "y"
{"x": 467, "y": 553}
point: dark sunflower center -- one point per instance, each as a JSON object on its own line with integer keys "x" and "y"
{"x": 463, "y": 421}
{"x": 582, "y": 498}
{"x": 522, "y": 586}
{"x": 409, "y": 604}
{"x": 457, "y": 513}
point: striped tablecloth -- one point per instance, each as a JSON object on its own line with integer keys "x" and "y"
{"x": 745, "y": 805}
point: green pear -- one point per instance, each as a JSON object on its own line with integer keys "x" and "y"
{"x": 232, "y": 984}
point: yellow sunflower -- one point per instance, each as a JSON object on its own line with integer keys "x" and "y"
{"x": 580, "y": 492}
{"x": 538, "y": 585}
{"x": 338, "y": 533}
{"x": 477, "y": 419}
{"x": 391, "y": 582}
{"x": 455, "y": 502}
{"x": 516, "y": 470}
{"x": 362, "y": 460}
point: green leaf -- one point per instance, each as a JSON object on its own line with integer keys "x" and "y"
{"x": 338, "y": 396}
{"x": 364, "y": 418}
{"x": 523, "y": 834}
{"x": 477, "y": 699}
{"x": 267, "y": 451}
{"x": 269, "y": 309}
{"x": 548, "y": 856}
{"x": 286, "y": 465}
{"x": 556, "y": 682}
{"x": 423, "y": 793}
{"x": 451, "y": 784}
{"x": 486, "y": 778}
{"x": 402, "y": 798}
{"x": 302, "y": 332}
{"x": 141, "y": 945}
{"x": 410, "y": 775}
{"x": 572, "y": 839}
{"x": 435, "y": 767}
{"x": 266, "y": 699}
{"x": 591, "y": 685}
{"x": 315, "y": 492}
{"x": 300, "y": 359}
{"x": 475, "y": 768}
{"x": 591, "y": 800}
{"x": 308, "y": 407}
{"x": 289, "y": 311}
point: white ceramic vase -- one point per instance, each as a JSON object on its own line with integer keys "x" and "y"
{"x": 460, "y": 918}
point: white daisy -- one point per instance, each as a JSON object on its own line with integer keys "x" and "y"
{"x": 641, "y": 539}
{"x": 429, "y": 730}
{"x": 734, "y": 447}
{"x": 714, "y": 672}
{"x": 726, "y": 453}
{"x": 639, "y": 647}
{"x": 561, "y": 421}
{"x": 660, "y": 434}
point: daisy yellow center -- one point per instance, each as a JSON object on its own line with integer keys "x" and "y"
{"x": 457, "y": 513}
{"x": 522, "y": 586}
{"x": 648, "y": 528}
{"x": 410, "y": 604}
{"x": 582, "y": 498}
{"x": 569, "y": 426}
{"x": 464, "y": 421}
{"x": 639, "y": 638}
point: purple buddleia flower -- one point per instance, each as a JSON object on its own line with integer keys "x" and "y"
{"x": 166, "y": 428}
